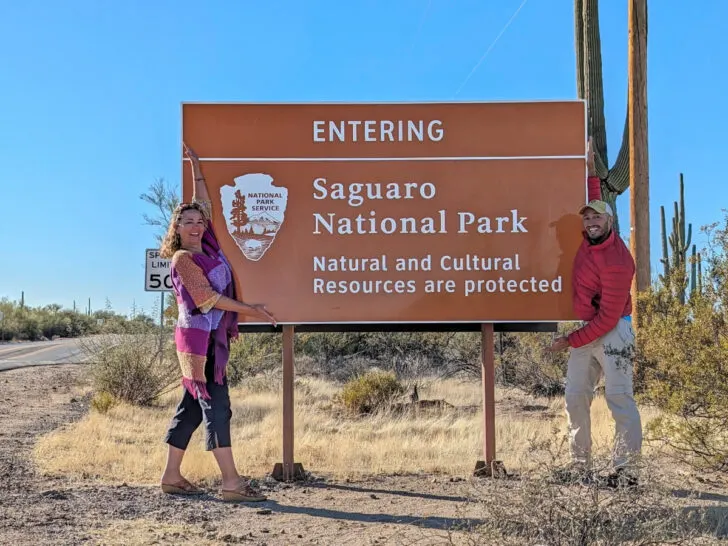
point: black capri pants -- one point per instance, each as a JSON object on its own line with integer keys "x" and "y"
{"x": 215, "y": 413}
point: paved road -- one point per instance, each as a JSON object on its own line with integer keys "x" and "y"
{"x": 39, "y": 353}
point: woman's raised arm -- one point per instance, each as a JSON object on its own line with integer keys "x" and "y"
{"x": 199, "y": 187}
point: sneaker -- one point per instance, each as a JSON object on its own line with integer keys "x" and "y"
{"x": 621, "y": 478}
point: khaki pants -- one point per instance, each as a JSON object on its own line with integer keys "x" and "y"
{"x": 611, "y": 355}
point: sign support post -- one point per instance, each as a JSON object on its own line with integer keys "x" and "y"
{"x": 288, "y": 470}
{"x": 488, "y": 375}
{"x": 161, "y": 328}
{"x": 489, "y": 467}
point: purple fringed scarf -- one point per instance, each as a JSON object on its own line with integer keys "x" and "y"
{"x": 199, "y": 280}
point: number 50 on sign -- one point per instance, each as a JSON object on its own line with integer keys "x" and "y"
{"x": 157, "y": 277}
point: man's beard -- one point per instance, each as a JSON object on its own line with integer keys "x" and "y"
{"x": 599, "y": 240}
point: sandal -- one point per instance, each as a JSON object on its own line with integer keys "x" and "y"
{"x": 182, "y": 487}
{"x": 244, "y": 493}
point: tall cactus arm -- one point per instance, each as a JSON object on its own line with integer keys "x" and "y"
{"x": 663, "y": 236}
{"x": 589, "y": 77}
{"x": 590, "y": 87}
{"x": 693, "y": 271}
{"x": 619, "y": 174}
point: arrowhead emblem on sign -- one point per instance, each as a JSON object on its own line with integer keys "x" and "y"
{"x": 254, "y": 211}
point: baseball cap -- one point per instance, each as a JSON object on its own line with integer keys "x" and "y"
{"x": 600, "y": 206}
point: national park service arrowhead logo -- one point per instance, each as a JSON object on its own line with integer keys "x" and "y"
{"x": 254, "y": 211}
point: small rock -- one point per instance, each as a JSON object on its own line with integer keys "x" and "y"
{"x": 227, "y": 538}
{"x": 283, "y": 531}
{"x": 373, "y": 496}
{"x": 264, "y": 512}
{"x": 73, "y": 400}
{"x": 265, "y": 530}
{"x": 299, "y": 536}
{"x": 53, "y": 494}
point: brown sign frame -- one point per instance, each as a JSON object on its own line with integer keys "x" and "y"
{"x": 536, "y": 135}
{"x": 288, "y": 469}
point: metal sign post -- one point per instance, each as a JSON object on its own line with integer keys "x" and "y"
{"x": 158, "y": 278}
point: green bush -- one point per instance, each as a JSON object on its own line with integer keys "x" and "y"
{"x": 527, "y": 364}
{"x": 102, "y": 402}
{"x": 522, "y": 359}
{"x": 23, "y": 323}
{"x": 252, "y": 354}
{"x": 682, "y": 363}
{"x": 128, "y": 367}
{"x": 342, "y": 356}
{"x": 370, "y": 392}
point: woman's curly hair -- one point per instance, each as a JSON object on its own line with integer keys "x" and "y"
{"x": 171, "y": 242}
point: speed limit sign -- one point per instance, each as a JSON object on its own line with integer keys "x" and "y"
{"x": 157, "y": 277}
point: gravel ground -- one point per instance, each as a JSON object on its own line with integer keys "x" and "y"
{"x": 37, "y": 509}
{"x": 409, "y": 509}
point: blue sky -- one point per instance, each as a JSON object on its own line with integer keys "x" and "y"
{"x": 91, "y": 92}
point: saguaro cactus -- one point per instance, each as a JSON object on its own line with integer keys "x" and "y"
{"x": 679, "y": 241}
{"x": 700, "y": 275}
{"x": 693, "y": 271}
{"x": 663, "y": 238}
{"x": 590, "y": 87}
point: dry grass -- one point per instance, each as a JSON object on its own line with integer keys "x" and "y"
{"x": 126, "y": 444}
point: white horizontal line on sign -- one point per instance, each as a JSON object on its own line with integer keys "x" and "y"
{"x": 444, "y": 158}
{"x": 395, "y": 322}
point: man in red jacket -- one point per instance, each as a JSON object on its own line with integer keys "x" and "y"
{"x": 604, "y": 344}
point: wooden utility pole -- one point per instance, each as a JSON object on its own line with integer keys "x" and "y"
{"x": 639, "y": 180}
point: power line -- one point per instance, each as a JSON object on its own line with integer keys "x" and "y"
{"x": 491, "y": 46}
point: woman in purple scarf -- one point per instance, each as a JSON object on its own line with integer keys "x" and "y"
{"x": 208, "y": 320}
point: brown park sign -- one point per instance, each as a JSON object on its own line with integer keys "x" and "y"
{"x": 396, "y": 213}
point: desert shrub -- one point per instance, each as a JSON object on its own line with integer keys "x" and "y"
{"x": 252, "y": 354}
{"x": 522, "y": 360}
{"x": 525, "y": 363}
{"x": 128, "y": 366}
{"x": 22, "y": 323}
{"x": 27, "y": 326}
{"x": 103, "y": 401}
{"x": 370, "y": 392}
{"x": 536, "y": 510}
{"x": 542, "y": 507}
{"x": 682, "y": 358}
{"x": 342, "y": 356}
